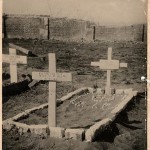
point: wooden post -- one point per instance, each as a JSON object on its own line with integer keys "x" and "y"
{"x": 94, "y": 29}
{"x": 48, "y": 30}
{"x": 143, "y": 30}
{"x": 4, "y": 25}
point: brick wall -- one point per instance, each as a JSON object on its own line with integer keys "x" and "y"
{"x": 68, "y": 29}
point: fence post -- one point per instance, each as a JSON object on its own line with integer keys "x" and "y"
{"x": 4, "y": 25}
{"x": 143, "y": 33}
{"x": 94, "y": 29}
{"x": 48, "y": 30}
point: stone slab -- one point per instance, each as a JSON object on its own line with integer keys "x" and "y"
{"x": 94, "y": 130}
{"x": 122, "y": 105}
{"x": 127, "y": 91}
{"x": 119, "y": 91}
{"x": 70, "y": 95}
{"x": 76, "y": 134}
{"x": 39, "y": 129}
{"x": 57, "y": 132}
{"x": 19, "y": 116}
{"x": 22, "y": 128}
{"x": 36, "y": 108}
{"x": 8, "y": 124}
{"x": 100, "y": 91}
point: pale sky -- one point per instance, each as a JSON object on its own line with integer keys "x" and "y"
{"x": 105, "y": 12}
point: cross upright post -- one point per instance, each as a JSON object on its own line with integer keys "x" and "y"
{"x": 109, "y": 65}
{"x": 52, "y": 77}
{"x": 13, "y": 59}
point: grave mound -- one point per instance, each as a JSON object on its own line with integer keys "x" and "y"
{"x": 80, "y": 111}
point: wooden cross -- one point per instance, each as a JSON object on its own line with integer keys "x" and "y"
{"x": 109, "y": 65}
{"x": 13, "y": 59}
{"x": 52, "y": 77}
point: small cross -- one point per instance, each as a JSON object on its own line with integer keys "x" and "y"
{"x": 13, "y": 59}
{"x": 109, "y": 65}
{"x": 52, "y": 77}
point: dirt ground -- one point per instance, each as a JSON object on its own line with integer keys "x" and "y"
{"x": 127, "y": 132}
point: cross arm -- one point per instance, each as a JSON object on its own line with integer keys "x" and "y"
{"x": 14, "y": 59}
{"x": 52, "y": 76}
{"x": 123, "y": 64}
{"x": 95, "y": 63}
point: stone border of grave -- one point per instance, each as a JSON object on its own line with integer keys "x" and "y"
{"x": 60, "y": 132}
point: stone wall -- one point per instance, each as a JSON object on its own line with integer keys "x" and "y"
{"x": 44, "y": 27}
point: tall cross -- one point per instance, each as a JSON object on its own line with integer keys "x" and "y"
{"x": 13, "y": 59}
{"x": 108, "y": 65}
{"x": 52, "y": 77}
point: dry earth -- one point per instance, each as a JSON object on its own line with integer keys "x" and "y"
{"x": 76, "y": 58}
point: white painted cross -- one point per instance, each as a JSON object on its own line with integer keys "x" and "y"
{"x": 109, "y": 65}
{"x": 13, "y": 59}
{"x": 52, "y": 77}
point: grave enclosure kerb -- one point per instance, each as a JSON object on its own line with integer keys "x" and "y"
{"x": 60, "y": 132}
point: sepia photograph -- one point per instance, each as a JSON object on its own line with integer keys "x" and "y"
{"x": 74, "y": 74}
